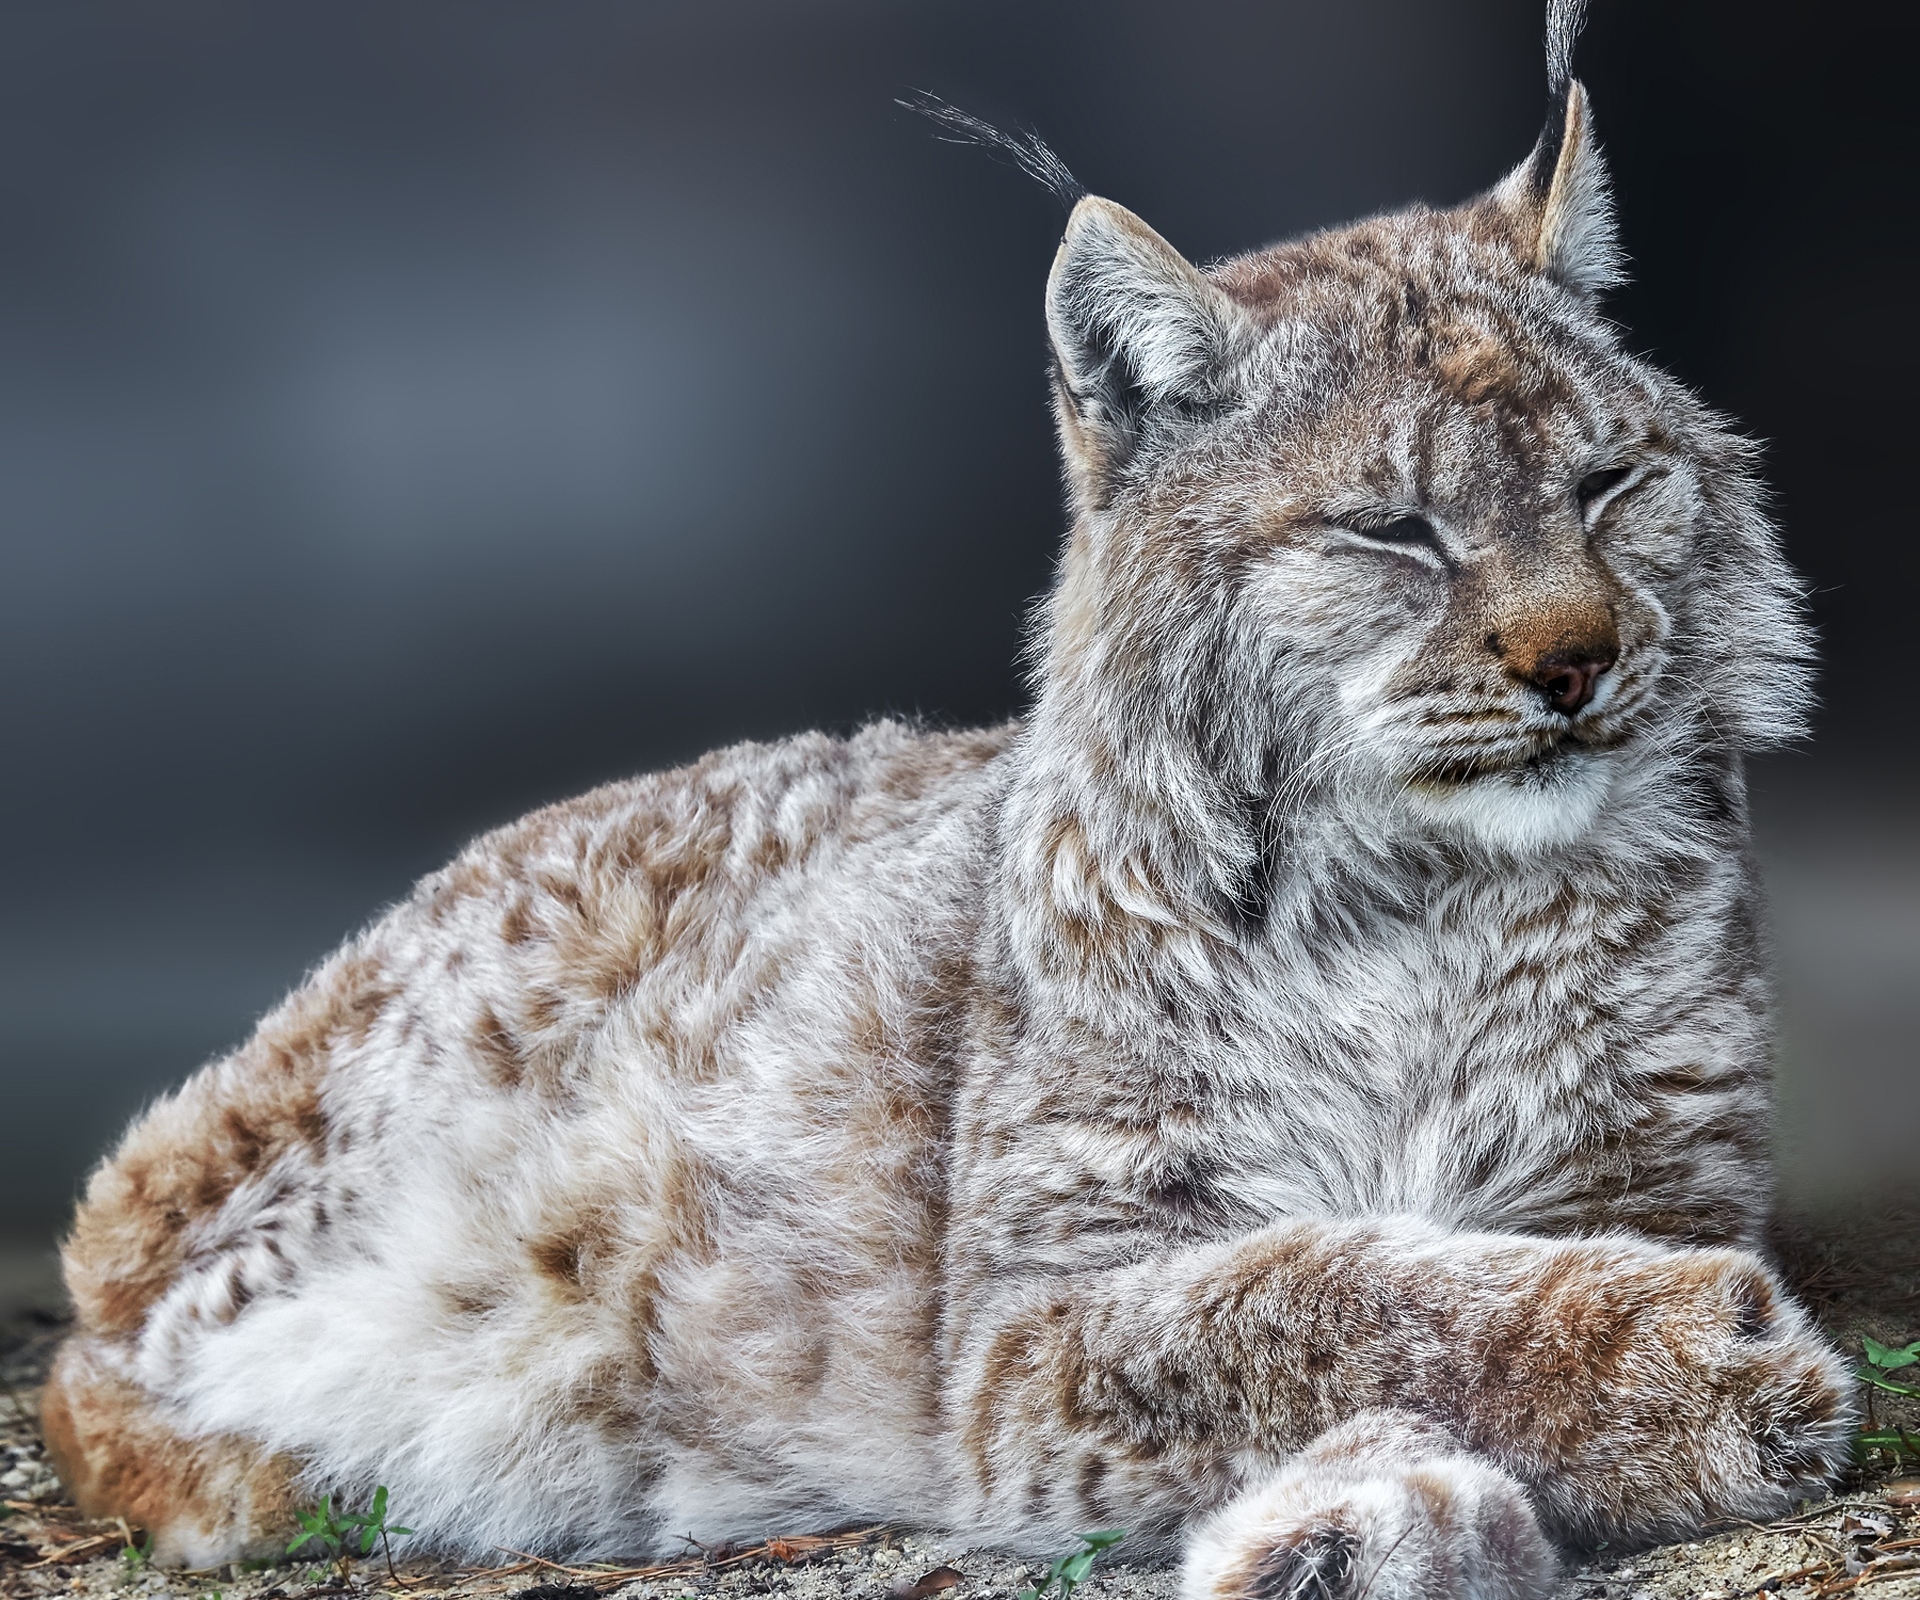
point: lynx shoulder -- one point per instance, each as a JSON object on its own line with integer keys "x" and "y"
{"x": 1303, "y": 1091}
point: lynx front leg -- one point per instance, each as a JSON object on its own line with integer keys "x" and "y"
{"x": 1634, "y": 1390}
{"x": 1386, "y": 1505}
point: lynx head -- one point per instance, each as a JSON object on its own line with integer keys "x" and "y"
{"x": 1388, "y": 513}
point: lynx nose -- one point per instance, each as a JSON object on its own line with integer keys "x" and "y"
{"x": 1568, "y": 678}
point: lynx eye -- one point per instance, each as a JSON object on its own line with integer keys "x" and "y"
{"x": 1595, "y": 485}
{"x": 1399, "y": 530}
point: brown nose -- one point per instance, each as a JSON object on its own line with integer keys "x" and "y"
{"x": 1568, "y": 678}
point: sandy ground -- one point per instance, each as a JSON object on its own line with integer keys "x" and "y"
{"x": 1861, "y": 1272}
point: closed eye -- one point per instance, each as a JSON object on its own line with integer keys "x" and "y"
{"x": 1400, "y": 531}
{"x": 1596, "y": 486}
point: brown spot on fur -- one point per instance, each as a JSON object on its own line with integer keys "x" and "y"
{"x": 494, "y": 1048}
{"x": 1092, "y": 1484}
{"x": 559, "y": 1259}
{"x": 544, "y": 1010}
{"x": 470, "y": 1300}
{"x": 566, "y": 1257}
{"x": 1482, "y": 373}
{"x": 1008, "y": 1359}
{"x": 565, "y": 891}
{"x": 683, "y": 1196}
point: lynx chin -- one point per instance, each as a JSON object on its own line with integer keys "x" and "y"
{"x": 1301, "y": 1094}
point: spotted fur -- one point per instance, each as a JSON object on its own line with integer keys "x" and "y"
{"x": 1303, "y": 1090}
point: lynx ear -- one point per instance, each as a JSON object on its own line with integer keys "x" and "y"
{"x": 1135, "y": 326}
{"x": 1558, "y": 202}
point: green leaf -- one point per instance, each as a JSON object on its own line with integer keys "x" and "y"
{"x": 1028, "y": 1593}
{"x": 399, "y": 1533}
{"x": 1896, "y": 1440}
{"x": 1078, "y": 1567}
{"x": 1868, "y": 1375}
{"x": 1891, "y": 1358}
{"x": 321, "y": 1526}
{"x": 1103, "y": 1539}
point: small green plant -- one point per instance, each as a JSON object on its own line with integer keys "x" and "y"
{"x": 1066, "y": 1573}
{"x": 134, "y": 1558}
{"x": 342, "y": 1536}
{"x": 1883, "y": 1359}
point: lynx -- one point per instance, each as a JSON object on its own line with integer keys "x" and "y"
{"x": 1301, "y": 1094}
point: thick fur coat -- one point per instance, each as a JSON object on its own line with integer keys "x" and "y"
{"x": 1304, "y": 1090}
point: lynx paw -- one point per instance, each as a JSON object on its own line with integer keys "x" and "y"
{"x": 1385, "y": 1506}
{"x": 1657, "y": 1393}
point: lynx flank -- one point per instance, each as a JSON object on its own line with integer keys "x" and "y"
{"x": 1303, "y": 1092}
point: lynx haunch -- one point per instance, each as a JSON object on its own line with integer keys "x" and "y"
{"x": 1302, "y": 1092}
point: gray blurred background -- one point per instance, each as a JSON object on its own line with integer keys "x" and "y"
{"x": 412, "y": 413}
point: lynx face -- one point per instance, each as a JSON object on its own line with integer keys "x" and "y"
{"x": 1394, "y": 518}
{"x": 1462, "y": 549}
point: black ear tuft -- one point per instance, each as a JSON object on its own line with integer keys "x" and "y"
{"x": 1558, "y": 200}
{"x": 1023, "y": 147}
{"x": 1565, "y": 19}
